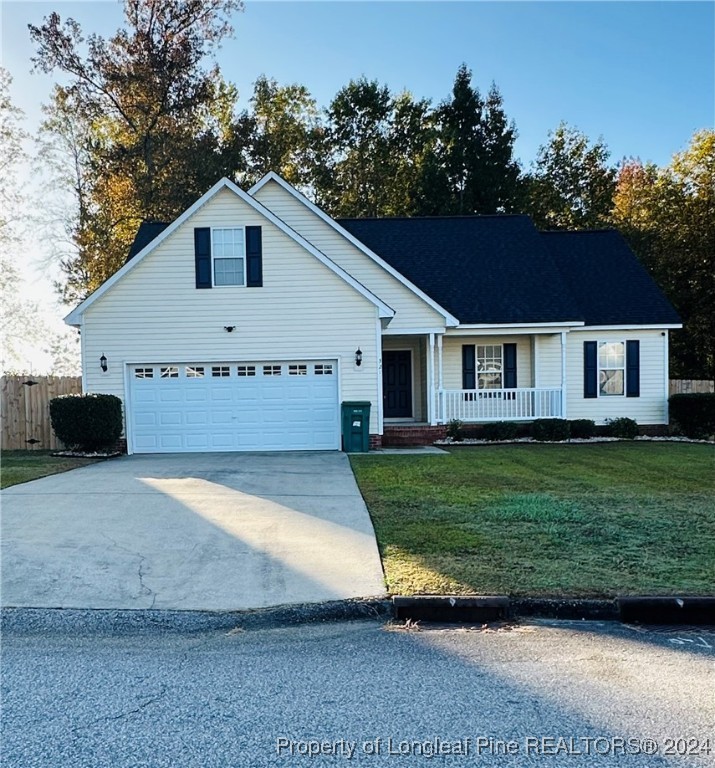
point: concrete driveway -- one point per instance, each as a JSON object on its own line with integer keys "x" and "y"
{"x": 192, "y": 531}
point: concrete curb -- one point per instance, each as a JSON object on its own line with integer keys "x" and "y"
{"x": 457, "y": 609}
{"x": 77, "y": 621}
{"x": 667, "y": 610}
{"x": 643, "y": 610}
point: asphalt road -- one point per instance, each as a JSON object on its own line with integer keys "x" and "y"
{"x": 554, "y": 693}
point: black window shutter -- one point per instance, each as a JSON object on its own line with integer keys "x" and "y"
{"x": 633, "y": 368}
{"x": 469, "y": 368}
{"x": 202, "y": 254}
{"x": 254, "y": 257}
{"x": 590, "y": 369}
{"x": 510, "y": 366}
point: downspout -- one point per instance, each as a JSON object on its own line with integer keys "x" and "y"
{"x": 378, "y": 352}
{"x": 666, "y": 377}
{"x": 563, "y": 374}
{"x": 83, "y": 355}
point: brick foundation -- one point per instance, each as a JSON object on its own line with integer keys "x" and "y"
{"x": 375, "y": 442}
{"x": 655, "y": 430}
{"x": 409, "y": 435}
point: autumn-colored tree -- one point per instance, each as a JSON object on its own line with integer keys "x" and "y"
{"x": 668, "y": 216}
{"x": 156, "y": 126}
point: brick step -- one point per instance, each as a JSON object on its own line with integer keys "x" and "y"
{"x": 412, "y": 435}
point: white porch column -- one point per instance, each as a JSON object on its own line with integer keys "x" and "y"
{"x": 431, "y": 415}
{"x": 440, "y": 384}
{"x": 563, "y": 374}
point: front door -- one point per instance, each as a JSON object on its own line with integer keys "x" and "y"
{"x": 397, "y": 384}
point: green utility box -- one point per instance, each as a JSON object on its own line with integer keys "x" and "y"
{"x": 356, "y": 427}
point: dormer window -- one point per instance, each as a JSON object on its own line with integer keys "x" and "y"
{"x": 229, "y": 256}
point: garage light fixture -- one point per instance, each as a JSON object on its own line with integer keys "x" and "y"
{"x": 229, "y": 328}
{"x": 358, "y": 356}
{"x": 103, "y": 363}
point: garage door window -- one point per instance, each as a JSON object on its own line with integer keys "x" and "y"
{"x": 246, "y": 370}
{"x": 220, "y": 371}
{"x": 171, "y": 372}
{"x": 144, "y": 373}
{"x": 194, "y": 372}
{"x": 321, "y": 369}
{"x": 272, "y": 370}
{"x": 297, "y": 370}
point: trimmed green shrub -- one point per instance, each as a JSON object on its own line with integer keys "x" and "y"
{"x": 499, "y": 430}
{"x": 455, "y": 430}
{"x": 550, "y": 430}
{"x": 695, "y": 413}
{"x": 583, "y": 429}
{"x": 87, "y": 422}
{"x": 622, "y": 427}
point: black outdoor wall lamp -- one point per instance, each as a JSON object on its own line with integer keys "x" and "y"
{"x": 229, "y": 328}
{"x": 103, "y": 363}
{"x": 358, "y": 356}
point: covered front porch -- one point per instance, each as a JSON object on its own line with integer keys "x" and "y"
{"x": 432, "y": 378}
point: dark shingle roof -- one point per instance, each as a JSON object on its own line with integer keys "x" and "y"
{"x": 482, "y": 269}
{"x": 500, "y": 269}
{"x": 606, "y": 279}
{"x": 147, "y": 231}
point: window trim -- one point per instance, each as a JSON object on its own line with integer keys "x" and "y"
{"x": 214, "y": 284}
{"x": 600, "y": 368}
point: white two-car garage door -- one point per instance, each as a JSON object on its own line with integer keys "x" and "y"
{"x": 254, "y": 406}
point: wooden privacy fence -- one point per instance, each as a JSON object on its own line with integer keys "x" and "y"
{"x": 680, "y": 386}
{"x": 26, "y": 410}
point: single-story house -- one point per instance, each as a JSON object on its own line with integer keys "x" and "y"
{"x": 244, "y": 323}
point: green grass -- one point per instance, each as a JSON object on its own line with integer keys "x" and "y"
{"x": 21, "y": 466}
{"x": 581, "y": 520}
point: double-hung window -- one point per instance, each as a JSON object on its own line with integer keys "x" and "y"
{"x": 229, "y": 256}
{"x": 489, "y": 366}
{"x": 611, "y": 368}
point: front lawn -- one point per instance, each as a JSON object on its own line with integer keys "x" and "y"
{"x": 576, "y": 520}
{"x": 21, "y": 466}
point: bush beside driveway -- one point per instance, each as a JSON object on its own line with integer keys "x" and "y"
{"x": 543, "y": 520}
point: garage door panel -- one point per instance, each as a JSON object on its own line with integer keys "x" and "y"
{"x": 197, "y": 418}
{"x": 249, "y": 407}
{"x": 197, "y": 442}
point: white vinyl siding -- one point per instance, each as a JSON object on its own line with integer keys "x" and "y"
{"x": 303, "y": 311}
{"x": 548, "y": 360}
{"x": 411, "y": 311}
{"x": 649, "y": 408}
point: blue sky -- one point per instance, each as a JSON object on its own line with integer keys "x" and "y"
{"x": 639, "y": 74}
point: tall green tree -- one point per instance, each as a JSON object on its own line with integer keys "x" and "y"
{"x": 160, "y": 123}
{"x": 668, "y": 216}
{"x": 370, "y": 151}
{"x": 571, "y": 184}
{"x": 281, "y": 130}
{"x": 474, "y": 169}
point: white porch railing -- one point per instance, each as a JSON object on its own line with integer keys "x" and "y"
{"x": 500, "y": 404}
